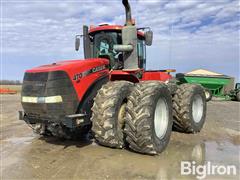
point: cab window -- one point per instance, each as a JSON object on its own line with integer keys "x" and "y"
{"x": 141, "y": 47}
{"x": 103, "y": 43}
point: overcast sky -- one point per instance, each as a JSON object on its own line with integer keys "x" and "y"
{"x": 188, "y": 34}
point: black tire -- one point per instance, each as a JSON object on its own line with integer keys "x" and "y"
{"x": 208, "y": 94}
{"x": 140, "y": 114}
{"x": 172, "y": 85}
{"x": 110, "y": 101}
{"x": 183, "y": 105}
{"x": 238, "y": 96}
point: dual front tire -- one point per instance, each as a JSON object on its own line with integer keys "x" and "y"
{"x": 141, "y": 116}
{"x": 108, "y": 113}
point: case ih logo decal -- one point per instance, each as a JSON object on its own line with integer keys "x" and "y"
{"x": 78, "y": 76}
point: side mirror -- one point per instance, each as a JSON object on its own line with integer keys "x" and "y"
{"x": 148, "y": 37}
{"x": 77, "y": 42}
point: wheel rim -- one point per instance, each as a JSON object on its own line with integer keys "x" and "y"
{"x": 121, "y": 114}
{"x": 197, "y": 108}
{"x": 207, "y": 94}
{"x": 161, "y": 118}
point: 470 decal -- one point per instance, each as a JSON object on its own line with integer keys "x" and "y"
{"x": 78, "y": 76}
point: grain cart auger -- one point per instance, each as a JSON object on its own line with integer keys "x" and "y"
{"x": 111, "y": 93}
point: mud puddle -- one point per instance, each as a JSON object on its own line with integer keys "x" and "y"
{"x": 34, "y": 157}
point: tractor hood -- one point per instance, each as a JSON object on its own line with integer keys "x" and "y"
{"x": 76, "y": 74}
{"x": 69, "y": 65}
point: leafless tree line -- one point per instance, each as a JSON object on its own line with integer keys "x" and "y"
{"x": 10, "y": 82}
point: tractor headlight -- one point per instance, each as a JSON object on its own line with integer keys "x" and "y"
{"x": 53, "y": 99}
{"x": 49, "y": 99}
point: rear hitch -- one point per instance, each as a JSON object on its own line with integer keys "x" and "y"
{"x": 74, "y": 120}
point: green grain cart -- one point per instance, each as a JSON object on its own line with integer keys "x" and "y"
{"x": 215, "y": 85}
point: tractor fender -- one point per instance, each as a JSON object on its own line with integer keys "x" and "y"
{"x": 87, "y": 100}
{"x": 123, "y": 75}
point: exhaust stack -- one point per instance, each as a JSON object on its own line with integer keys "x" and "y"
{"x": 128, "y": 13}
{"x": 129, "y": 40}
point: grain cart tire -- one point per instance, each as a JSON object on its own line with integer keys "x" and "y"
{"x": 208, "y": 94}
{"x": 148, "y": 123}
{"x": 189, "y": 108}
{"x": 108, "y": 113}
{"x": 238, "y": 96}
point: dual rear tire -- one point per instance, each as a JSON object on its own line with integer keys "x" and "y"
{"x": 189, "y": 108}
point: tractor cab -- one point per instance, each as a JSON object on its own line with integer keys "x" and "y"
{"x": 123, "y": 46}
{"x": 101, "y": 42}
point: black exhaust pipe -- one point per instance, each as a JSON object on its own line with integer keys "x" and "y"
{"x": 128, "y": 13}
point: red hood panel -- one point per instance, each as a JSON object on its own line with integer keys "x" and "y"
{"x": 70, "y": 64}
{"x": 76, "y": 67}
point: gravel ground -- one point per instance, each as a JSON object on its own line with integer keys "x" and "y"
{"x": 25, "y": 155}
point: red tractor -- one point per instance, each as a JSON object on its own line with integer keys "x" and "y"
{"x": 111, "y": 93}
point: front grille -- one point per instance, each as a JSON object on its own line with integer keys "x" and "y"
{"x": 46, "y": 84}
{"x": 34, "y": 88}
{"x": 43, "y": 76}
